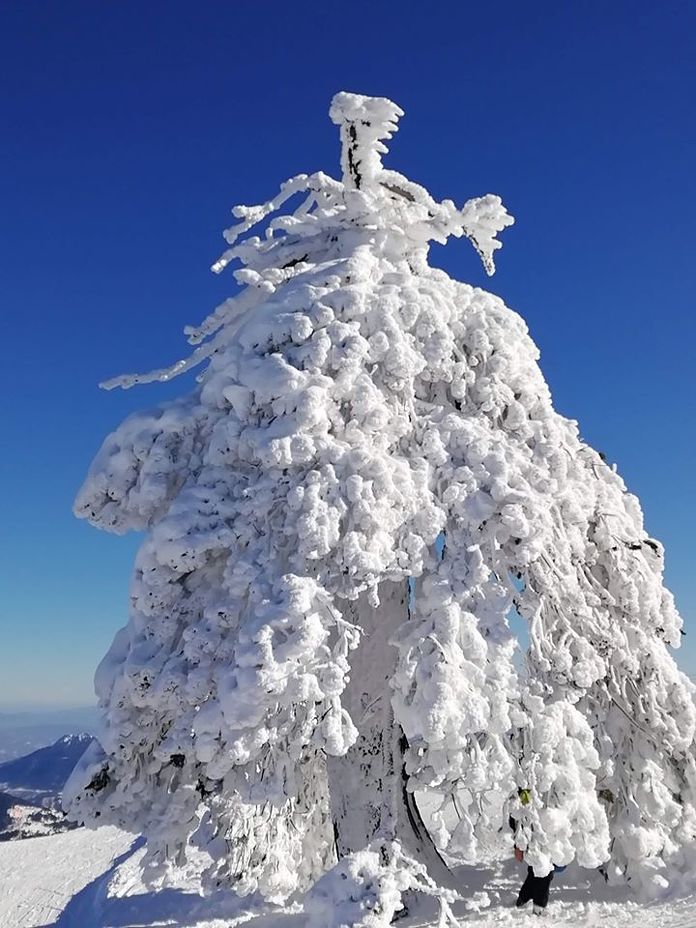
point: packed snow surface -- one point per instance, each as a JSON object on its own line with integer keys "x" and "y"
{"x": 92, "y": 879}
{"x": 40, "y": 877}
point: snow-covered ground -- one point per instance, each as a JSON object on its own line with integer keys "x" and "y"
{"x": 85, "y": 879}
{"x": 40, "y": 877}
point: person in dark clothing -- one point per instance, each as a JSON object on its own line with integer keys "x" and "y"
{"x": 535, "y": 888}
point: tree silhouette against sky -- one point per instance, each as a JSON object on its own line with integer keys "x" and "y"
{"x": 341, "y": 517}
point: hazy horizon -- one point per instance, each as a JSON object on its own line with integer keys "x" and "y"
{"x": 19, "y": 708}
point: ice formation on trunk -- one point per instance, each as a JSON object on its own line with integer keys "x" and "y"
{"x": 357, "y": 405}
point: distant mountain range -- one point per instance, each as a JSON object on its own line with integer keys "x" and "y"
{"x": 27, "y": 730}
{"x": 30, "y": 788}
{"x": 46, "y": 769}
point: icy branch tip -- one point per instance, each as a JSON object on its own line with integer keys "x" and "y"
{"x": 364, "y": 123}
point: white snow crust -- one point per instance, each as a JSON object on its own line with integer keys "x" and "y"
{"x": 93, "y": 879}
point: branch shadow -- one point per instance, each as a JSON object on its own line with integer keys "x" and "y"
{"x": 83, "y": 902}
{"x": 177, "y": 908}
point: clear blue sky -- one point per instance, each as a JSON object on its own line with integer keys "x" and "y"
{"x": 128, "y": 130}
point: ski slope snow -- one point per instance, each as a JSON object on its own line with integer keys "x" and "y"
{"x": 40, "y": 876}
{"x": 92, "y": 879}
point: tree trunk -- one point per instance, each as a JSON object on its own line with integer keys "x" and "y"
{"x": 367, "y": 786}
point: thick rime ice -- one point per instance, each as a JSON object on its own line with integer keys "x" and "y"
{"x": 357, "y": 405}
{"x": 366, "y": 888}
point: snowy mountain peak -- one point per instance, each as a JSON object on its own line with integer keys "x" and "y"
{"x": 46, "y": 769}
{"x": 81, "y": 738}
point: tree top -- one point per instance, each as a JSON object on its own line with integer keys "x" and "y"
{"x": 365, "y": 122}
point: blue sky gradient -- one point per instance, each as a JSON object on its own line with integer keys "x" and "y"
{"x": 131, "y": 128}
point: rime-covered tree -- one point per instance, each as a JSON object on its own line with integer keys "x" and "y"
{"x": 302, "y": 654}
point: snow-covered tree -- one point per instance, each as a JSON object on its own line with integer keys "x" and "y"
{"x": 340, "y": 517}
